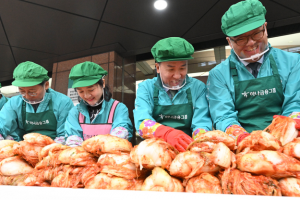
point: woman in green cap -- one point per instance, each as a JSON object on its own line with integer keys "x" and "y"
{"x": 97, "y": 113}
{"x": 3, "y": 99}
{"x": 38, "y": 109}
{"x": 172, "y": 106}
{"x": 256, "y": 81}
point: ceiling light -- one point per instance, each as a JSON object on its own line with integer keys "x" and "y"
{"x": 160, "y": 4}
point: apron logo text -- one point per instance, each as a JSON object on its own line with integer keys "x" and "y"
{"x": 173, "y": 116}
{"x": 260, "y": 92}
{"x": 38, "y": 123}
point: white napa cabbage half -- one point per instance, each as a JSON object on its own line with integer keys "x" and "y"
{"x": 290, "y": 187}
{"x": 152, "y": 153}
{"x": 222, "y": 155}
{"x": 119, "y": 160}
{"x": 14, "y": 166}
{"x": 292, "y": 148}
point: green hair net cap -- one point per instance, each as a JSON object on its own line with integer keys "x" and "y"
{"x": 172, "y": 49}
{"x": 29, "y": 74}
{"x": 86, "y": 74}
{"x": 243, "y": 17}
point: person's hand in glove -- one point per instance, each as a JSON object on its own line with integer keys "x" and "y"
{"x": 177, "y": 138}
{"x": 237, "y": 132}
{"x": 296, "y": 118}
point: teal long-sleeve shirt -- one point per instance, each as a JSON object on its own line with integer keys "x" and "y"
{"x": 120, "y": 119}
{"x": 144, "y": 103}
{"x": 3, "y": 100}
{"x": 221, "y": 93}
{"x": 11, "y": 122}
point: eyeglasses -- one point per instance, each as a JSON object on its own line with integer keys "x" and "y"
{"x": 32, "y": 94}
{"x": 241, "y": 41}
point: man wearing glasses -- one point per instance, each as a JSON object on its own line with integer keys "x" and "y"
{"x": 38, "y": 109}
{"x": 256, "y": 81}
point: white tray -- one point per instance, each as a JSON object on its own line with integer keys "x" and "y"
{"x": 46, "y": 193}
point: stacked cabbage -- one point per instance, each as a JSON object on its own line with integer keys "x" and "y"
{"x": 264, "y": 163}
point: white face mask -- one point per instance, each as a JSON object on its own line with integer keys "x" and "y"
{"x": 96, "y": 104}
{"x": 177, "y": 87}
{"x": 35, "y": 101}
{"x": 181, "y": 83}
{"x": 253, "y": 57}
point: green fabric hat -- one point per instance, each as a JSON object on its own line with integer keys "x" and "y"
{"x": 29, "y": 74}
{"x": 172, "y": 49}
{"x": 243, "y": 17}
{"x": 86, "y": 74}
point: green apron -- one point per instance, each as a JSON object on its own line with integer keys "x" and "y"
{"x": 175, "y": 116}
{"x": 44, "y": 123}
{"x": 257, "y": 100}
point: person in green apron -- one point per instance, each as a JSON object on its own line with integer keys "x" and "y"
{"x": 3, "y": 99}
{"x": 37, "y": 109}
{"x": 172, "y": 106}
{"x": 256, "y": 81}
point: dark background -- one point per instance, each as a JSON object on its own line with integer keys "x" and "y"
{"x": 49, "y": 31}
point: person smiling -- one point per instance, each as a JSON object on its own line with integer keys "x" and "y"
{"x": 38, "y": 109}
{"x": 256, "y": 81}
{"x": 97, "y": 113}
{"x": 172, "y": 106}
